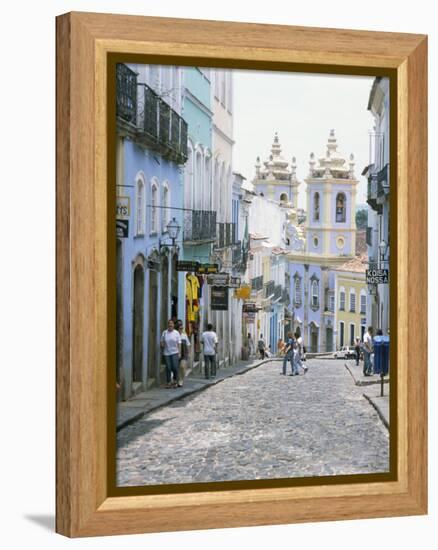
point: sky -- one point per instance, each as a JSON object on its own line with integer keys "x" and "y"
{"x": 302, "y": 108}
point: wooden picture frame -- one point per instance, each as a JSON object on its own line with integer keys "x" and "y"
{"x": 85, "y": 506}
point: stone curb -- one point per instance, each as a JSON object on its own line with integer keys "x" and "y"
{"x": 378, "y": 410}
{"x": 364, "y": 382}
{"x": 206, "y": 384}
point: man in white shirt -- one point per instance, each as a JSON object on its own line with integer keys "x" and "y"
{"x": 209, "y": 340}
{"x": 367, "y": 350}
{"x": 171, "y": 346}
{"x": 299, "y": 353}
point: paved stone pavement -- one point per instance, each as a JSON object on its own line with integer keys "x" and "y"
{"x": 258, "y": 425}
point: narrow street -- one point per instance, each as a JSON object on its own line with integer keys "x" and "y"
{"x": 258, "y": 425}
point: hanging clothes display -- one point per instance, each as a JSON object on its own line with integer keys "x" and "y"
{"x": 192, "y": 297}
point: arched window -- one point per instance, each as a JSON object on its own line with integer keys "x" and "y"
{"x": 342, "y": 299}
{"x": 352, "y": 300}
{"x": 199, "y": 188}
{"x": 166, "y": 206}
{"x": 140, "y": 205}
{"x": 188, "y": 178}
{"x": 363, "y": 302}
{"x": 316, "y": 207}
{"x": 341, "y": 207}
{"x": 297, "y": 291}
{"x": 154, "y": 206}
{"x": 207, "y": 183}
{"x": 315, "y": 294}
{"x": 283, "y": 197}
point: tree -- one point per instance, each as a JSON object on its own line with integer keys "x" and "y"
{"x": 362, "y": 219}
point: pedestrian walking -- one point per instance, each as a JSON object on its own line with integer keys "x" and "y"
{"x": 288, "y": 354}
{"x": 250, "y": 345}
{"x": 261, "y": 346}
{"x": 357, "y": 351}
{"x": 209, "y": 341}
{"x": 299, "y": 353}
{"x": 185, "y": 352}
{"x": 171, "y": 346}
{"x": 367, "y": 351}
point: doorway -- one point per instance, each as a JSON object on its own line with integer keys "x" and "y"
{"x": 329, "y": 339}
{"x": 138, "y": 325}
{"x": 153, "y": 353}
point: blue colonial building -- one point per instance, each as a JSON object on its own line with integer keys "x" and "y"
{"x": 326, "y": 240}
{"x": 151, "y": 152}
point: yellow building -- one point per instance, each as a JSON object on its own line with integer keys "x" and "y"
{"x": 351, "y": 301}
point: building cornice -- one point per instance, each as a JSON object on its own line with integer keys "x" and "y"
{"x": 188, "y": 95}
{"x": 223, "y": 135}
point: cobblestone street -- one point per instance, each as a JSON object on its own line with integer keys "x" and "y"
{"x": 258, "y": 425}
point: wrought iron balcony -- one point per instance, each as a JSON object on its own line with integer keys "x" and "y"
{"x": 257, "y": 283}
{"x": 199, "y": 227}
{"x": 151, "y": 121}
{"x": 126, "y": 97}
{"x": 269, "y": 289}
{"x": 237, "y": 254}
{"x": 161, "y": 127}
{"x": 278, "y": 290}
{"x": 226, "y": 235}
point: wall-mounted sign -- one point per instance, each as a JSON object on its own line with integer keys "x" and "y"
{"x": 122, "y": 229}
{"x": 219, "y": 298}
{"x": 123, "y": 208}
{"x": 205, "y": 269}
{"x": 234, "y": 282}
{"x": 220, "y": 279}
{"x": 243, "y": 293}
{"x": 187, "y": 265}
{"x": 250, "y": 307}
{"x": 377, "y": 276}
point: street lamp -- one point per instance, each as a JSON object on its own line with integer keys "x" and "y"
{"x": 383, "y": 248}
{"x": 173, "y": 229}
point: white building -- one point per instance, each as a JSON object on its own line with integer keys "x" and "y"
{"x": 222, "y": 143}
{"x": 378, "y": 230}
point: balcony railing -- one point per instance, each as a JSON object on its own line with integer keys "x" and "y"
{"x": 199, "y": 226}
{"x": 126, "y": 100}
{"x": 257, "y": 283}
{"x": 160, "y": 125}
{"x": 278, "y": 290}
{"x": 156, "y": 124}
{"x": 226, "y": 235}
{"x": 269, "y": 289}
{"x": 237, "y": 254}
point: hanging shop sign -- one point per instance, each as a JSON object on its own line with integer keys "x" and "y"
{"x": 123, "y": 208}
{"x": 206, "y": 269}
{"x": 122, "y": 229}
{"x": 377, "y": 276}
{"x": 219, "y": 298}
{"x": 243, "y": 293}
{"x": 220, "y": 279}
{"x": 250, "y": 307}
{"x": 187, "y": 265}
{"x": 234, "y": 282}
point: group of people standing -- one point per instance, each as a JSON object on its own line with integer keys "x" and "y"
{"x": 293, "y": 351}
{"x": 367, "y": 348}
{"x": 175, "y": 347}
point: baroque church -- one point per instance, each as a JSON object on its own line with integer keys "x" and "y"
{"x": 320, "y": 244}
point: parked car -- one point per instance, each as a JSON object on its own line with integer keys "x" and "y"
{"x": 346, "y": 352}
